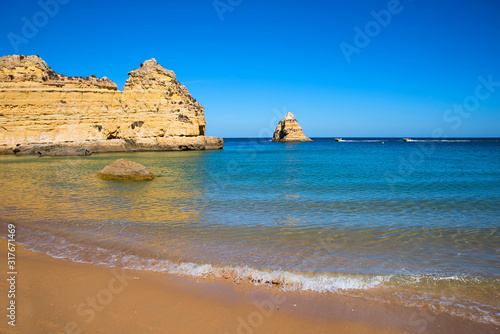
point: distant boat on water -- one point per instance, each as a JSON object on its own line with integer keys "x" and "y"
{"x": 339, "y": 139}
{"x": 407, "y": 139}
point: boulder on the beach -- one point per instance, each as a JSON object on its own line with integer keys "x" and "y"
{"x": 289, "y": 130}
{"x": 123, "y": 169}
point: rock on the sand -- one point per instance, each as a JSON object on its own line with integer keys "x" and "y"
{"x": 123, "y": 169}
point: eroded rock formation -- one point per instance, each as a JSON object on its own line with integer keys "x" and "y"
{"x": 40, "y": 106}
{"x": 289, "y": 130}
{"x": 120, "y": 145}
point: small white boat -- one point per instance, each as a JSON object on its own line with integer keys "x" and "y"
{"x": 407, "y": 139}
{"x": 339, "y": 139}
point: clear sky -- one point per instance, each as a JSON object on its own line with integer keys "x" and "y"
{"x": 344, "y": 68}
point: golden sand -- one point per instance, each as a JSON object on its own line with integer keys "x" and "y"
{"x": 60, "y": 296}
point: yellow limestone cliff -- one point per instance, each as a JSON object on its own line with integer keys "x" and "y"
{"x": 41, "y": 107}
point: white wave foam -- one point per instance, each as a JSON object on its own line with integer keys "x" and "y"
{"x": 286, "y": 280}
{"x": 62, "y": 249}
{"x": 58, "y": 247}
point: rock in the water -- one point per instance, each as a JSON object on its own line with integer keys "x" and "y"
{"x": 123, "y": 169}
{"x": 58, "y": 149}
{"x": 118, "y": 145}
{"x": 289, "y": 130}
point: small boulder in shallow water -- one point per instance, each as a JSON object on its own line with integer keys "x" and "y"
{"x": 123, "y": 169}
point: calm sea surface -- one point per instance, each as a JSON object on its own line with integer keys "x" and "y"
{"x": 413, "y": 223}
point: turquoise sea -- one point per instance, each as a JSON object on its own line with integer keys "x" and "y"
{"x": 410, "y": 223}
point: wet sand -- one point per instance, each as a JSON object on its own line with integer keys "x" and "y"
{"x": 60, "y": 296}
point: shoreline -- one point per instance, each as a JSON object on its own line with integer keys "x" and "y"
{"x": 85, "y": 148}
{"x": 58, "y": 295}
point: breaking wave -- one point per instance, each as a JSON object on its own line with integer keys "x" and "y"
{"x": 401, "y": 289}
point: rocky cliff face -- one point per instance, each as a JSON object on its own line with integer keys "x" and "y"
{"x": 289, "y": 130}
{"x": 40, "y": 106}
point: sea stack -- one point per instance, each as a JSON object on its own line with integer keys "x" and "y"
{"x": 42, "y": 108}
{"x": 289, "y": 130}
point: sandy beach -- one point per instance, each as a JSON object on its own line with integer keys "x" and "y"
{"x": 60, "y": 296}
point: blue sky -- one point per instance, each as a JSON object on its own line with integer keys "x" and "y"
{"x": 248, "y": 62}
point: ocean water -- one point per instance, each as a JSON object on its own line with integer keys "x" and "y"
{"x": 411, "y": 223}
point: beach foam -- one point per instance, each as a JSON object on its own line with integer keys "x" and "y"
{"x": 401, "y": 289}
